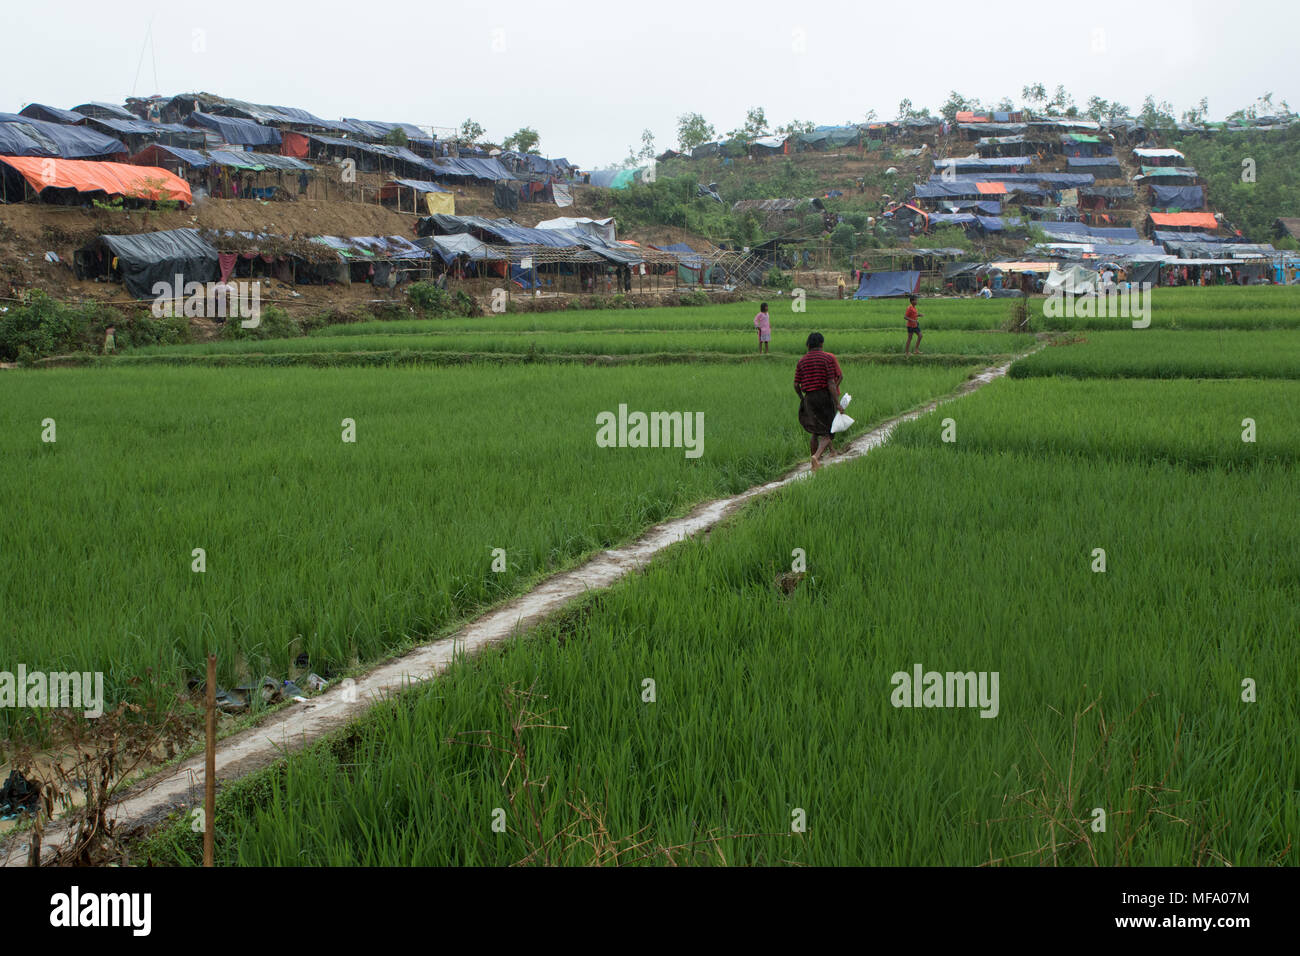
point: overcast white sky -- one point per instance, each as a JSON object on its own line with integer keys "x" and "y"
{"x": 589, "y": 77}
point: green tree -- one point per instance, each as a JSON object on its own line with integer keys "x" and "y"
{"x": 396, "y": 137}
{"x": 956, "y": 103}
{"x": 524, "y": 140}
{"x": 1157, "y": 115}
{"x": 693, "y": 130}
{"x": 795, "y": 126}
{"x": 1196, "y": 115}
{"x": 1062, "y": 103}
{"x": 755, "y": 126}
{"x": 639, "y": 157}
{"x": 471, "y": 132}
{"x": 1034, "y": 95}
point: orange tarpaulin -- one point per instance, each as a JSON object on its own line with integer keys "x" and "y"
{"x": 293, "y": 144}
{"x": 990, "y": 189}
{"x": 968, "y": 116}
{"x": 115, "y": 179}
{"x": 1197, "y": 220}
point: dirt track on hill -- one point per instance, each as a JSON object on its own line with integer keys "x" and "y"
{"x": 148, "y": 803}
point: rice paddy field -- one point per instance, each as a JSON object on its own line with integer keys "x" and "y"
{"x": 346, "y": 551}
{"x": 1106, "y": 541}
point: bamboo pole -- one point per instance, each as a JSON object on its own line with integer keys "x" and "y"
{"x": 210, "y": 766}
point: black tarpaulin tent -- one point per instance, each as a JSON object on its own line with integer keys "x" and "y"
{"x": 150, "y": 257}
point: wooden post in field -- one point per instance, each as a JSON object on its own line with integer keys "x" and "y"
{"x": 210, "y": 765}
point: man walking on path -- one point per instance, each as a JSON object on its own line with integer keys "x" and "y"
{"x": 817, "y": 380}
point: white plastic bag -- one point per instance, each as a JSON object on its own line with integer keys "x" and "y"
{"x": 841, "y": 423}
{"x": 844, "y": 401}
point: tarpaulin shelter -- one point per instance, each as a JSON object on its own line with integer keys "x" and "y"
{"x": 1182, "y": 198}
{"x": 448, "y": 248}
{"x": 601, "y": 228}
{"x": 505, "y": 195}
{"x": 828, "y": 137}
{"x": 962, "y": 276}
{"x": 51, "y": 114}
{"x": 257, "y": 162}
{"x": 938, "y": 188}
{"x": 24, "y": 136}
{"x": 104, "y": 110}
{"x": 1077, "y": 230}
{"x": 1158, "y": 157}
{"x": 612, "y": 178}
{"x": 1059, "y": 180}
{"x": 434, "y": 198}
{"x": 482, "y": 170}
{"x": 55, "y": 179}
{"x": 977, "y": 164}
{"x": 768, "y": 146}
{"x": 370, "y": 157}
{"x": 1104, "y": 197}
{"x": 380, "y": 260}
{"x": 1071, "y": 280}
{"x": 1184, "y": 220}
{"x": 148, "y": 258}
{"x": 1101, "y": 167}
{"x": 884, "y": 285}
{"x": 952, "y": 219}
{"x": 378, "y": 130}
{"x": 1169, "y": 235}
{"x": 971, "y": 205}
{"x": 235, "y": 131}
{"x": 137, "y": 133}
{"x": 174, "y": 158}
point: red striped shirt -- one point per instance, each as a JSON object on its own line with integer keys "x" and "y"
{"x": 815, "y": 371}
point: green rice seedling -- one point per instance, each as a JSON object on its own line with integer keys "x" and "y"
{"x": 775, "y": 727}
{"x": 734, "y": 342}
{"x": 185, "y": 510}
{"x": 1195, "y": 423}
{"x": 1154, "y": 353}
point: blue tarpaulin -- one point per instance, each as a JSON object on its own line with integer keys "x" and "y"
{"x": 190, "y": 157}
{"x": 1170, "y": 235}
{"x": 400, "y": 153}
{"x": 524, "y": 278}
{"x": 241, "y": 159}
{"x": 990, "y": 163}
{"x": 420, "y": 186}
{"x": 998, "y": 223}
{"x": 24, "y": 136}
{"x": 489, "y": 170}
{"x": 1065, "y": 180}
{"x": 449, "y": 247}
{"x": 883, "y": 285}
{"x": 51, "y": 114}
{"x": 951, "y": 218}
{"x": 236, "y": 132}
{"x": 1082, "y": 232}
{"x": 936, "y": 189}
{"x": 1190, "y": 198}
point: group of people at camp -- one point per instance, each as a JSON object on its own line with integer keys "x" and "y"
{"x": 817, "y": 378}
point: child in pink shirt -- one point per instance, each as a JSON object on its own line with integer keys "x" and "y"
{"x": 764, "y": 325}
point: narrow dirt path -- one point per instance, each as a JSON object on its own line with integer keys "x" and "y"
{"x": 150, "y": 801}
